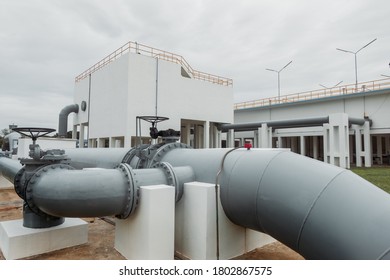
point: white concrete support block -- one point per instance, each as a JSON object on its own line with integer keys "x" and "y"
{"x": 18, "y": 242}
{"x": 195, "y": 227}
{"x": 4, "y": 183}
{"x": 148, "y": 234}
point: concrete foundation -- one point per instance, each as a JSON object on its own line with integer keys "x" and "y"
{"x": 5, "y": 184}
{"x": 148, "y": 234}
{"x": 18, "y": 242}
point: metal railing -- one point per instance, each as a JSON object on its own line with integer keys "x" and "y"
{"x": 153, "y": 52}
{"x": 316, "y": 94}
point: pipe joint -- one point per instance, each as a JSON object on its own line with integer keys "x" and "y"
{"x": 177, "y": 176}
{"x": 132, "y": 194}
{"x": 34, "y": 180}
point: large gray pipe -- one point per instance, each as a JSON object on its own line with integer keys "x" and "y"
{"x": 63, "y": 118}
{"x": 319, "y": 210}
{"x": 9, "y": 168}
{"x": 97, "y": 157}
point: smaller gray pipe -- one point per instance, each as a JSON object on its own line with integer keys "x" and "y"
{"x": 276, "y": 124}
{"x": 287, "y": 123}
{"x": 9, "y": 168}
{"x": 96, "y": 157}
{"x": 63, "y": 118}
{"x": 358, "y": 121}
{"x": 95, "y": 192}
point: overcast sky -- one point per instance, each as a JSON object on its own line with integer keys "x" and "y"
{"x": 46, "y": 43}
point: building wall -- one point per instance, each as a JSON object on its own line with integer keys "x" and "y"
{"x": 137, "y": 85}
{"x": 374, "y": 146}
{"x": 374, "y": 105}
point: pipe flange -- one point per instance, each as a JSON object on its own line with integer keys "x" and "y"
{"x": 163, "y": 150}
{"x": 19, "y": 183}
{"x": 132, "y": 191}
{"x": 29, "y": 198}
{"x": 171, "y": 178}
{"x": 132, "y": 153}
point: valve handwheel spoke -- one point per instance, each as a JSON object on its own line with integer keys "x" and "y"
{"x": 33, "y": 132}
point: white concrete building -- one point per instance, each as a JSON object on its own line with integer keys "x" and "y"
{"x": 339, "y": 126}
{"x": 137, "y": 80}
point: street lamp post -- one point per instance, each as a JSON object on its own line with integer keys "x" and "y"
{"x": 355, "y": 53}
{"x": 330, "y": 88}
{"x": 279, "y": 77}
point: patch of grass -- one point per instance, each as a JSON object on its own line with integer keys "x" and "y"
{"x": 379, "y": 176}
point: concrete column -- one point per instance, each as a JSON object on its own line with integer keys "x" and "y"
{"x": 206, "y": 135}
{"x": 315, "y": 147}
{"x": 211, "y": 136}
{"x": 270, "y": 137}
{"x": 358, "y": 147}
{"x": 351, "y": 149}
{"x": 199, "y": 136}
{"x": 379, "y": 149}
{"x": 74, "y": 132}
{"x": 81, "y": 136}
{"x": 294, "y": 144}
{"x": 367, "y": 145}
{"x": 326, "y": 143}
{"x": 256, "y": 139}
{"x": 280, "y": 142}
{"x": 186, "y": 136}
{"x": 303, "y": 145}
{"x": 230, "y": 139}
{"x": 336, "y": 137}
{"x": 387, "y": 144}
{"x": 387, "y": 148}
{"x": 219, "y": 139}
{"x": 264, "y": 136}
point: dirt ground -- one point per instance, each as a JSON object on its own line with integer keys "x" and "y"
{"x": 101, "y": 235}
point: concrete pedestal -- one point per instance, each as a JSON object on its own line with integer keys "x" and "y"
{"x": 18, "y": 242}
{"x": 196, "y": 227}
{"x": 148, "y": 234}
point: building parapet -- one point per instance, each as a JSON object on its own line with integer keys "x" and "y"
{"x": 156, "y": 53}
{"x": 316, "y": 94}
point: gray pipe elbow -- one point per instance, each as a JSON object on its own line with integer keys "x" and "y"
{"x": 63, "y": 118}
{"x": 317, "y": 209}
